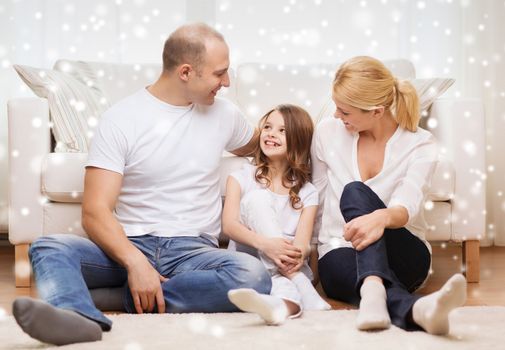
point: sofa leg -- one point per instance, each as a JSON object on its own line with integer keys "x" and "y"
{"x": 22, "y": 267}
{"x": 471, "y": 260}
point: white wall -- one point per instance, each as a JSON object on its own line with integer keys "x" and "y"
{"x": 462, "y": 39}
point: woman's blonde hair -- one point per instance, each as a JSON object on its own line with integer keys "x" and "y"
{"x": 365, "y": 83}
{"x": 299, "y": 130}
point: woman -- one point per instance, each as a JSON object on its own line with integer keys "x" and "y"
{"x": 372, "y": 166}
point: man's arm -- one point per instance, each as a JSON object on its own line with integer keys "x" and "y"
{"x": 101, "y": 190}
{"x": 248, "y": 149}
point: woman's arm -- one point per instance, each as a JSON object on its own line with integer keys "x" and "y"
{"x": 280, "y": 250}
{"x": 319, "y": 178}
{"x": 405, "y": 203}
{"x": 365, "y": 230}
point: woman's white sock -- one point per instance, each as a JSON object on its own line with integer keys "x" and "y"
{"x": 431, "y": 312}
{"x": 373, "y": 312}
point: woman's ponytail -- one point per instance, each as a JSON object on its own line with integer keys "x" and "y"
{"x": 406, "y": 105}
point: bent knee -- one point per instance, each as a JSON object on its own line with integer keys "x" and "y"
{"x": 354, "y": 190}
{"x": 253, "y": 274}
{"x": 358, "y": 196}
{"x": 52, "y": 244}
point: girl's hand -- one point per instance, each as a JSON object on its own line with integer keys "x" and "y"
{"x": 282, "y": 252}
{"x": 292, "y": 268}
{"x": 365, "y": 230}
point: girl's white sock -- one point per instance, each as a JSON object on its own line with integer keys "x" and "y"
{"x": 310, "y": 297}
{"x": 272, "y": 309}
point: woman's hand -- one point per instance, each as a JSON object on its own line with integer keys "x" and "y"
{"x": 367, "y": 229}
{"x": 282, "y": 252}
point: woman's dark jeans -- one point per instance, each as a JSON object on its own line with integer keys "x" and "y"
{"x": 401, "y": 259}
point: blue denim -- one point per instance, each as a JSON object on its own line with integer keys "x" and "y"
{"x": 400, "y": 258}
{"x": 200, "y": 274}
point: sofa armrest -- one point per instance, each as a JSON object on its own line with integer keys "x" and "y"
{"x": 29, "y": 142}
{"x": 461, "y": 134}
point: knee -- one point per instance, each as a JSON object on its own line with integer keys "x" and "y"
{"x": 354, "y": 192}
{"x": 253, "y": 274}
{"x": 53, "y": 244}
{"x": 358, "y": 199}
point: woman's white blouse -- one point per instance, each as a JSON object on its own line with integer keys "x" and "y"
{"x": 409, "y": 162}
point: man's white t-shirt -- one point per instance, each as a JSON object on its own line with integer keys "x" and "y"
{"x": 409, "y": 162}
{"x": 169, "y": 157}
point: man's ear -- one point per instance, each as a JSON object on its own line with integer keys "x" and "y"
{"x": 184, "y": 71}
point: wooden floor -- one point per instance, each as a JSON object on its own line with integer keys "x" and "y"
{"x": 446, "y": 262}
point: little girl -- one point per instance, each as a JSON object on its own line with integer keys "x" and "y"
{"x": 269, "y": 212}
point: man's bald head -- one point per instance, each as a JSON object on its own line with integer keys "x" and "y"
{"x": 187, "y": 45}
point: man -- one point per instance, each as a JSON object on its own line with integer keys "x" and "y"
{"x": 151, "y": 204}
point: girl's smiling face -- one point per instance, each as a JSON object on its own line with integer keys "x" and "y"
{"x": 273, "y": 136}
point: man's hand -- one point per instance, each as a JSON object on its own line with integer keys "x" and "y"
{"x": 365, "y": 230}
{"x": 281, "y": 251}
{"x": 145, "y": 286}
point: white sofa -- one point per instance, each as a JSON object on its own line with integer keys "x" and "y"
{"x": 46, "y": 188}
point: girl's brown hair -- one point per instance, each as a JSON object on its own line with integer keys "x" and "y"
{"x": 299, "y": 129}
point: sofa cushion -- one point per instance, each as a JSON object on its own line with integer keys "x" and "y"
{"x": 228, "y": 165}
{"x": 260, "y": 87}
{"x": 430, "y": 89}
{"x": 442, "y": 184}
{"x": 74, "y": 105}
{"x": 117, "y": 81}
{"x": 63, "y": 175}
{"x": 62, "y": 218}
{"x": 427, "y": 90}
{"x": 438, "y": 217}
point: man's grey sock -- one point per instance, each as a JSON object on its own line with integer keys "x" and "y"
{"x": 52, "y": 325}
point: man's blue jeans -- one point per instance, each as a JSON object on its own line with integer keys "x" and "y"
{"x": 401, "y": 259}
{"x": 200, "y": 274}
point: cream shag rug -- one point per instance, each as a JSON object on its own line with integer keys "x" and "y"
{"x": 479, "y": 328}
